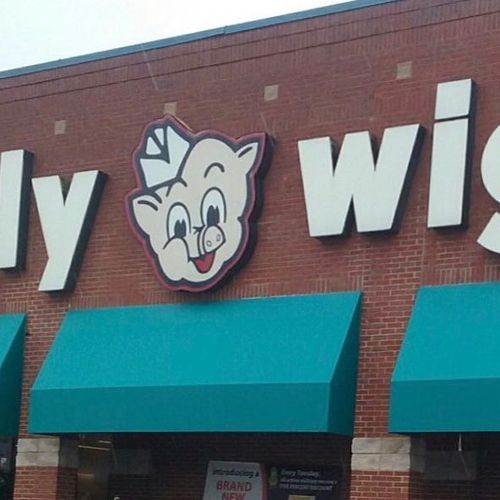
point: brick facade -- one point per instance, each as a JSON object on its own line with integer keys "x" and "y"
{"x": 365, "y": 69}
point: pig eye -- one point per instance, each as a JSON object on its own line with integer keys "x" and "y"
{"x": 178, "y": 222}
{"x": 180, "y": 229}
{"x": 213, "y": 208}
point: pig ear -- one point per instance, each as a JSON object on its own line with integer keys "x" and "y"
{"x": 144, "y": 208}
{"x": 247, "y": 155}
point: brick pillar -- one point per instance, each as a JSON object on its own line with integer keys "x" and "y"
{"x": 46, "y": 468}
{"x": 387, "y": 468}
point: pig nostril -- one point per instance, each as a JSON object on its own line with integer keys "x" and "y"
{"x": 210, "y": 239}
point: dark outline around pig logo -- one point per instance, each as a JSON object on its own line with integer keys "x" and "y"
{"x": 171, "y": 127}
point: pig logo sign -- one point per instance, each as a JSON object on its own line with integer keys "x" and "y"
{"x": 197, "y": 200}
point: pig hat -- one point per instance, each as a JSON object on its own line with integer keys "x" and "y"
{"x": 163, "y": 152}
{"x": 196, "y": 202}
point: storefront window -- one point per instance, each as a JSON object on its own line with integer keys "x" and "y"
{"x": 6, "y": 468}
{"x": 95, "y": 456}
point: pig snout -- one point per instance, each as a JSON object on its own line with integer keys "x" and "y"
{"x": 211, "y": 238}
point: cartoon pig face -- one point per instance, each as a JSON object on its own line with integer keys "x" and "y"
{"x": 196, "y": 202}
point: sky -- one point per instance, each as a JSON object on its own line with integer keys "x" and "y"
{"x": 36, "y": 31}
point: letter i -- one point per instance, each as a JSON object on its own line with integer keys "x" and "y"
{"x": 451, "y": 155}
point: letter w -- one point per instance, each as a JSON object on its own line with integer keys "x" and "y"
{"x": 372, "y": 187}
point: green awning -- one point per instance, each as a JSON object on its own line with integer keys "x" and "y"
{"x": 447, "y": 377}
{"x": 12, "y": 328}
{"x": 284, "y": 364}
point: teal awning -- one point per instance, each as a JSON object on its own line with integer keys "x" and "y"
{"x": 285, "y": 364}
{"x": 12, "y": 328}
{"x": 447, "y": 377}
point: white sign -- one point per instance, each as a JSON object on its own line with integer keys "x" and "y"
{"x": 450, "y": 161}
{"x": 65, "y": 222}
{"x": 234, "y": 481}
{"x": 490, "y": 237}
{"x": 66, "y": 217}
{"x": 373, "y": 188}
{"x": 15, "y": 172}
{"x": 369, "y": 188}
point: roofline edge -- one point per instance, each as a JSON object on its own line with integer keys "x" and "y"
{"x": 193, "y": 37}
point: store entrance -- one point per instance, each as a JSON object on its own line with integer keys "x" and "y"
{"x": 95, "y": 458}
{"x": 114, "y": 467}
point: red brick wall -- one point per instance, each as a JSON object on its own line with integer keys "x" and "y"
{"x": 45, "y": 483}
{"x": 336, "y": 75}
{"x": 380, "y": 485}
